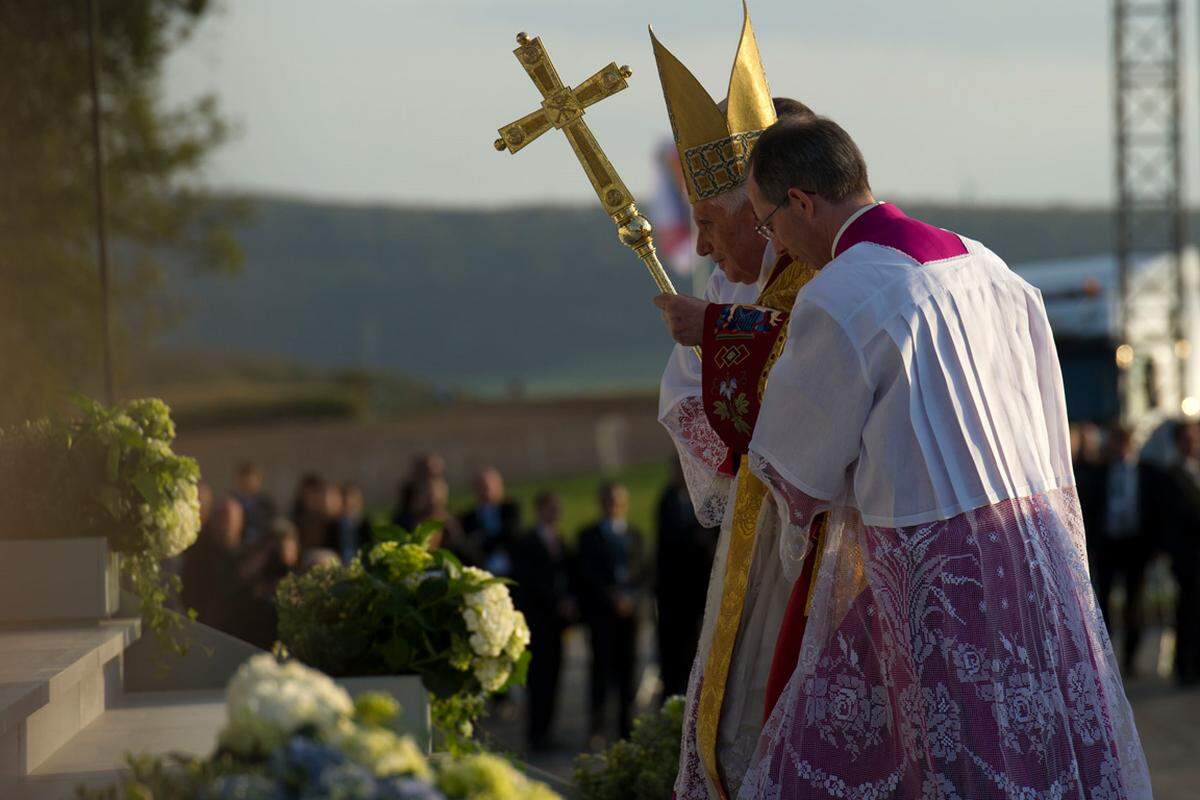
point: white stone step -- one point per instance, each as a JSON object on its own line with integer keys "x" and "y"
{"x": 54, "y": 681}
{"x": 140, "y": 723}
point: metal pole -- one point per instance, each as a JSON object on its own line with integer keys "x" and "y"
{"x": 1149, "y": 220}
{"x": 1122, "y": 210}
{"x": 100, "y": 202}
{"x": 1178, "y": 225}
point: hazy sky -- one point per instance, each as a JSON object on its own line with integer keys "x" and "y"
{"x": 397, "y": 100}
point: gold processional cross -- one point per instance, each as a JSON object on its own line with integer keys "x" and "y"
{"x": 562, "y": 108}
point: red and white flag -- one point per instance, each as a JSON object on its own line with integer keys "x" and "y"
{"x": 671, "y": 215}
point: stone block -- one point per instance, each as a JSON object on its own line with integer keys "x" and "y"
{"x": 58, "y": 579}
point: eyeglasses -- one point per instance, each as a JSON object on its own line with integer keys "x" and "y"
{"x": 764, "y": 229}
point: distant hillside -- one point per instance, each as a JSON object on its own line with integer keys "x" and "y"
{"x": 542, "y": 297}
{"x": 221, "y": 388}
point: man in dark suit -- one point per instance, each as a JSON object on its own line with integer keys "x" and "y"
{"x": 610, "y": 583}
{"x": 350, "y": 530}
{"x": 543, "y": 594}
{"x": 683, "y": 561}
{"x": 1183, "y": 545}
{"x": 491, "y": 527}
{"x": 1087, "y": 461}
{"x": 1119, "y": 536}
{"x": 258, "y": 509}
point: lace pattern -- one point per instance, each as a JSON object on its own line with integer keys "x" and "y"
{"x": 968, "y": 660}
{"x": 701, "y": 454}
{"x": 796, "y": 514}
{"x": 691, "y": 782}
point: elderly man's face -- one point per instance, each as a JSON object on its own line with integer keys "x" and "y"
{"x": 729, "y": 239}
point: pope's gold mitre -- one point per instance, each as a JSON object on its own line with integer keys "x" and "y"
{"x": 714, "y": 145}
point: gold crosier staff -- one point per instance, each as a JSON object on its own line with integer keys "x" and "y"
{"x": 562, "y": 108}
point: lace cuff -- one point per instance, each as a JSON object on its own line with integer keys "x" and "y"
{"x": 702, "y": 455}
{"x": 797, "y": 510}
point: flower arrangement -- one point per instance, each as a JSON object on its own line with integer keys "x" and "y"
{"x": 642, "y": 767}
{"x": 109, "y": 472}
{"x": 292, "y": 734}
{"x": 402, "y": 609}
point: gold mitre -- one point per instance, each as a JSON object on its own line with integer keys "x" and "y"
{"x": 714, "y": 145}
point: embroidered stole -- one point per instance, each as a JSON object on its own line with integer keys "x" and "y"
{"x": 740, "y": 342}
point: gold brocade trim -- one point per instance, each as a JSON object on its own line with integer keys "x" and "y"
{"x": 750, "y": 495}
{"x": 780, "y": 295}
{"x": 718, "y": 167}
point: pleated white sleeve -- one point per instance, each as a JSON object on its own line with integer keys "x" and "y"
{"x": 810, "y": 428}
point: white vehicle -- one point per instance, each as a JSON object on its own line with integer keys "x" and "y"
{"x": 1082, "y": 299}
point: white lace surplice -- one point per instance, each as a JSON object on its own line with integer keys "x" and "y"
{"x": 954, "y": 649}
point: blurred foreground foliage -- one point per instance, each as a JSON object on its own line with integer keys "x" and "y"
{"x": 642, "y": 767}
{"x": 49, "y": 287}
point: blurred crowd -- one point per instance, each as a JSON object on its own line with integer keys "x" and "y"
{"x": 1141, "y": 514}
{"x": 600, "y": 579}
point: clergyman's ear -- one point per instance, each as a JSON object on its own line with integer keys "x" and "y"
{"x": 802, "y": 201}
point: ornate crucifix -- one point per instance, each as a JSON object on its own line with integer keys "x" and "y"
{"x": 562, "y": 108}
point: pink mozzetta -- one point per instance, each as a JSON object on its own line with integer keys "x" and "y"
{"x": 888, "y": 226}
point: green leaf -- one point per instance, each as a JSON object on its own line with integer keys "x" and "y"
{"x": 396, "y": 653}
{"x": 520, "y": 671}
{"x": 449, "y": 562}
{"x": 113, "y": 463}
{"x": 110, "y": 499}
{"x": 426, "y": 530}
{"x": 445, "y": 682}
{"x": 389, "y": 533}
{"x": 741, "y": 403}
{"x": 721, "y": 410}
{"x": 432, "y": 590}
{"x": 147, "y": 487}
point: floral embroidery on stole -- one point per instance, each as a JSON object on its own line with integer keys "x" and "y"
{"x": 779, "y": 295}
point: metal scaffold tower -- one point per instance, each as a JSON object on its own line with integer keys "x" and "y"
{"x": 1149, "y": 166}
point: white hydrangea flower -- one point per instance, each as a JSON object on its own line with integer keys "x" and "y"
{"x": 182, "y": 520}
{"x": 268, "y": 702}
{"x": 492, "y": 673}
{"x": 489, "y": 615}
{"x": 519, "y": 639}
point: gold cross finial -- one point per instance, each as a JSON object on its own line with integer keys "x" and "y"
{"x": 562, "y": 108}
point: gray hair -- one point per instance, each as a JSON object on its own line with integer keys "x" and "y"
{"x": 733, "y": 200}
{"x": 813, "y": 154}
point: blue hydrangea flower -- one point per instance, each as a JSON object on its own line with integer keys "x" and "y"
{"x": 407, "y": 789}
{"x": 343, "y": 782}
{"x": 245, "y": 787}
{"x": 301, "y": 761}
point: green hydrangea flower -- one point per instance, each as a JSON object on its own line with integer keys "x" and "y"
{"x": 153, "y": 416}
{"x": 376, "y": 708}
{"x": 403, "y": 562}
{"x": 488, "y": 777}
